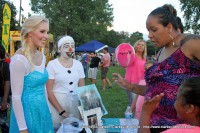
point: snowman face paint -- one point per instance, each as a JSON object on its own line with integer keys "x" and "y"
{"x": 67, "y": 46}
{"x": 68, "y": 49}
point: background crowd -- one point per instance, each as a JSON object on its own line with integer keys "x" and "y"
{"x": 169, "y": 81}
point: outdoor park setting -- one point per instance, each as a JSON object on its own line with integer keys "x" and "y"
{"x": 115, "y": 99}
{"x": 66, "y": 64}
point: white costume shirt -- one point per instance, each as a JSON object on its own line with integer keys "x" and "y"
{"x": 65, "y": 79}
{"x": 20, "y": 67}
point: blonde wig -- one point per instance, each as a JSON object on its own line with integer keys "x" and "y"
{"x": 28, "y": 26}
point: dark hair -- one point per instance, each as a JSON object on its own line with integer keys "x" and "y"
{"x": 180, "y": 25}
{"x": 166, "y": 14}
{"x": 2, "y": 52}
{"x": 191, "y": 91}
{"x": 106, "y": 48}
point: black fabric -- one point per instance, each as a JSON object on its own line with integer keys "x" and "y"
{"x": 95, "y": 62}
{"x": 157, "y": 130}
{"x": 4, "y": 128}
{"x": 4, "y": 75}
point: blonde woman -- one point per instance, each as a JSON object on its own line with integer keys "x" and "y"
{"x": 30, "y": 112}
{"x": 135, "y": 72}
{"x": 65, "y": 74}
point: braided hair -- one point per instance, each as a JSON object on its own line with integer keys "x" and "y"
{"x": 30, "y": 25}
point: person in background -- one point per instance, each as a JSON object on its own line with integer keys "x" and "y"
{"x": 79, "y": 57}
{"x": 104, "y": 68}
{"x": 85, "y": 62}
{"x": 139, "y": 100}
{"x": 7, "y": 58}
{"x": 178, "y": 59}
{"x": 93, "y": 69}
{"x": 65, "y": 74}
{"x": 135, "y": 72}
{"x": 187, "y": 106}
{"x": 4, "y": 91}
{"x": 30, "y": 112}
{"x": 101, "y": 57}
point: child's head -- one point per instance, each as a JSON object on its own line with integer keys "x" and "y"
{"x": 148, "y": 64}
{"x": 187, "y": 103}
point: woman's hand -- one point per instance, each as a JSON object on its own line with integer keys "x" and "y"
{"x": 148, "y": 107}
{"x": 120, "y": 81}
{"x": 151, "y": 104}
{"x": 65, "y": 115}
{"x": 4, "y": 105}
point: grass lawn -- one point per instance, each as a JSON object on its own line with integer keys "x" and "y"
{"x": 115, "y": 100}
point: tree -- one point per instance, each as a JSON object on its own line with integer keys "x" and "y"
{"x": 135, "y": 36}
{"x": 84, "y": 20}
{"x": 191, "y": 9}
{"x": 13, "y": 21}
{"x": 151, "y": 49}
{"x": 111, "y": 38}
{"x": 114, "y": 38}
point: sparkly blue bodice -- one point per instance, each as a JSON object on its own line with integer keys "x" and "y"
{"x": 36, "y": 111}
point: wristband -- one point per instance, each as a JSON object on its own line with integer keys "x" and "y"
{"x": 62, "y": 112}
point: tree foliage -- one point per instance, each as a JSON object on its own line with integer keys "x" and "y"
{"x": 112, "y": 38}
{"x": 84, "y": 20}
{"x": 135, "y": 36}
{"x": 13, "y": 21}
{"x": 191, "y": 9}
{"x": 151, "y": 49}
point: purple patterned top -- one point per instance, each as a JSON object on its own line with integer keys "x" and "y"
{"x": 166, "y": 77}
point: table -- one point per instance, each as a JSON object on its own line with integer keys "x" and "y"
{"x": 114, "y": 125}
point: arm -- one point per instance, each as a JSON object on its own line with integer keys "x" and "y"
{"x": 52, "y": 97}
{"x": 81, "y": 74}
{"x": 104, "y": 62}
{"x": 6, "y": 75}
{"x": 6, "y": 94}
{"x": 191, "y": 47}
{"x": 81, "y": 82}
{"x": 148, "y": 107}
{"x": 138, "y": 89}
{"x": 17, "y": 72}
{"x": 195, "y": 50}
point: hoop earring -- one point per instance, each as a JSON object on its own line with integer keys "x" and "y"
{"x": 173, "y": 43}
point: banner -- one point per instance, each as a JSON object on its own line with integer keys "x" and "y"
{"x": 6, "y": 26}
{"x": 15, "y": 35}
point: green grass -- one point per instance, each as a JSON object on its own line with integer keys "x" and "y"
{"x": 115, "y": 100}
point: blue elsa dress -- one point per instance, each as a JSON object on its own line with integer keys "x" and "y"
{"x": 36, "y": 110}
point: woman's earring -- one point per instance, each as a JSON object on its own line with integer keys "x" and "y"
{"x": 173, "y": 43}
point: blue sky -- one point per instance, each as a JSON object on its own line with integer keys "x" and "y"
{"x": 129, "y": 15}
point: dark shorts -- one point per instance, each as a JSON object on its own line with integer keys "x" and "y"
{"x": 104, "y": 71}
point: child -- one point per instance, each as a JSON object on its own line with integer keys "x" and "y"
{"x": 139, "y": 100}
{"x": 187, "y": 106}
